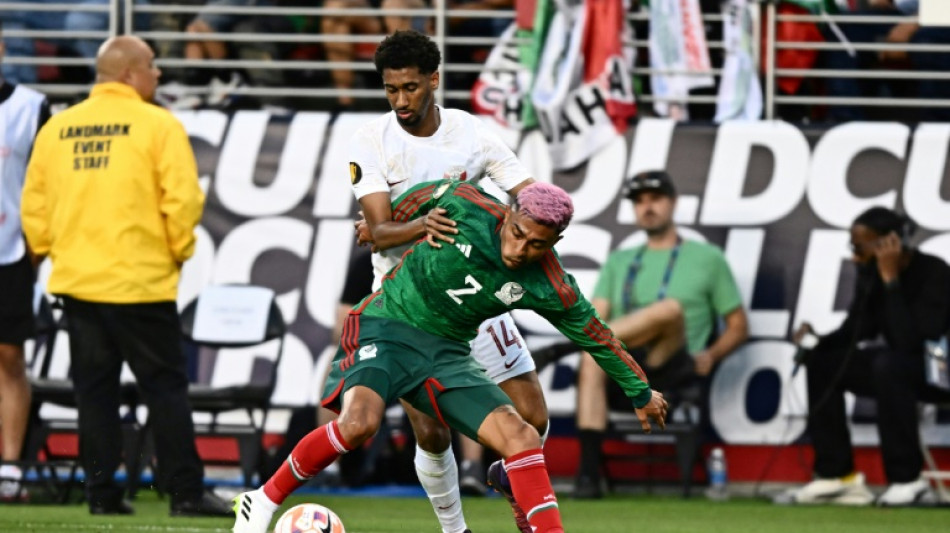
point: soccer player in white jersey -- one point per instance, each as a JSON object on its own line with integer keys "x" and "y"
{"x": 418, "y": 142}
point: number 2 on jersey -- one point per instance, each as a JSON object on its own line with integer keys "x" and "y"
{"x": 475, "y": 286}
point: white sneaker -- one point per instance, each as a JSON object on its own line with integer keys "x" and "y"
{"x": 219, "y": 94}
{"x": 177, "y": 96}
{"x": 10, "y": 482}
{"x": 849, "y": 490}
{"x": 900, "y": 494}
{"x": 253, "y": 512}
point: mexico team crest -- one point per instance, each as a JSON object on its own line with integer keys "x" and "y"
{"x": 356, "y": 173}
{"x": 510, "y": 293}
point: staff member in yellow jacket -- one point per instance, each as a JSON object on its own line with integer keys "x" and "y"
{"x": 112, "y": 197}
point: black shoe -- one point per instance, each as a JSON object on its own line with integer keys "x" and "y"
{"x": 472, "y": 482}
{"x": 587, "y": 488}
{"x": 122, "y": 507}
{"x": 205, "y": 505}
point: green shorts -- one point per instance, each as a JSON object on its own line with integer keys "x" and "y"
{"x": 434, "y": 374}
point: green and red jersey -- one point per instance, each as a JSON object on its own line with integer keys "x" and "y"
{"x": 449, "y": 291}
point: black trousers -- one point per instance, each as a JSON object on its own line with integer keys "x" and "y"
{"x": 148, "y": 337}
{"x": 895, "y": 380}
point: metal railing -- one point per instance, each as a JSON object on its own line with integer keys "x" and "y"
{"x": 771, "y": 71}
{"x": 123, "y": 15}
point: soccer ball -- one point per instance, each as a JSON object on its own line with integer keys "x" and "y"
{"x": 309, "y": 518}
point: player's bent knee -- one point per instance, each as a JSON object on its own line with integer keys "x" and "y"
{"x": 524, "y": 438}
{"x": 538, "y": 420}
{"x": 355, "y": 430}
{"x": 432, "y": 436}
{"x": 360, "y": 420}
{"x": 507, "y": 433}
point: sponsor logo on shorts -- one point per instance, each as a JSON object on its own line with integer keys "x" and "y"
{"x": 513, "y": 361}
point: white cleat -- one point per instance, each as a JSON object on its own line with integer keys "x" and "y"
{"x": 903, "y": 494}
{"x": 849, "y": 490}
{"x": 253, "y": 512}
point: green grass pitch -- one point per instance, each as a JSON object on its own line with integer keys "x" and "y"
{"x": 622, "y": 514}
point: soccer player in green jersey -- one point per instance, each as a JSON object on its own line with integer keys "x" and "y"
{"x": 409, "y": 340}
{"x": 416, "y": 142}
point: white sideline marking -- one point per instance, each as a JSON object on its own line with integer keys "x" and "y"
{"x": 38, "y": 526}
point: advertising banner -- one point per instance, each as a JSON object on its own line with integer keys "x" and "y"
{"x": 776, "y": 198}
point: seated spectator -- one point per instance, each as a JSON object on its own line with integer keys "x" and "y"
{"x": 217, "y": 22}
{"x": 359, "y": 24}
{"x": 472, "y": 27}
{"x": 888, "y": 32}
{"x": 336, "y": 51}
{"x": 70, "y": 21}
{"x": 650, "y": 295}
{"x": 878, "y": 351}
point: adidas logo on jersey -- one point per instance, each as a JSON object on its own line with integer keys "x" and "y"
{"x": 465, "y": 248}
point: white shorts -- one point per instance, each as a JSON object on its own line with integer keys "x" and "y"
{"x": 500, "y": 350}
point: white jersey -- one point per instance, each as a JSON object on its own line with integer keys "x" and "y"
{"x": 19, "y": 120}
{"x": 385, "y": 158}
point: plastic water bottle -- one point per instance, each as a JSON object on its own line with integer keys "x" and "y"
{"x": 716, "y": 469}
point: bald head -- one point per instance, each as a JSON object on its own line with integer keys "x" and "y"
{"x": 128, "y": 59}
{"x": 118, "y": 54}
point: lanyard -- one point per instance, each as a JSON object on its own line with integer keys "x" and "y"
{"x": 635, "y": 269}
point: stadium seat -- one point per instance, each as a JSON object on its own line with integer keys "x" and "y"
{"x": 932, "y": 471}
{"x": 233, "y": 328}
{"x": 683, "y": 431}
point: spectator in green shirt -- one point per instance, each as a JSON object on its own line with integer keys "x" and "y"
{"x": 638, "y": 292}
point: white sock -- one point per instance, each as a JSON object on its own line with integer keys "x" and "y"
{"x": 11, "y": 472}
{"x": 439, "y": 476}
{"x": 262, "y": 498}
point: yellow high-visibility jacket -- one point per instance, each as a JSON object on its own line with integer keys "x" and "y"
{"x": 112, "y": 197}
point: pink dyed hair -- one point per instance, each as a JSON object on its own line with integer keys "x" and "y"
{"x": 546, "y": 204}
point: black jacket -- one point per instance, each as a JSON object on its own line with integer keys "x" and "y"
{"x": 914, "y": 308}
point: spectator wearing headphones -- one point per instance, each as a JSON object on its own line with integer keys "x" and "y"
{"x": 901, "y": 300}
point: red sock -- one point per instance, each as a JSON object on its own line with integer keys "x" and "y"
{"x": 312, "y": 454}
{"x": 532, "y": 489}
